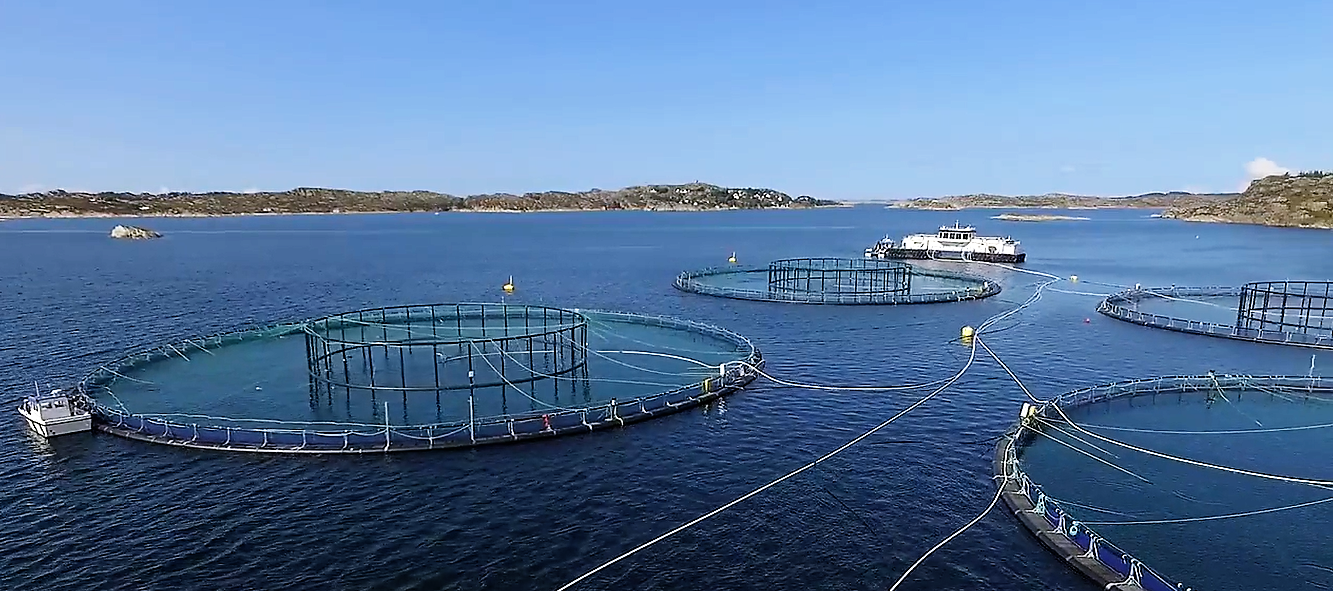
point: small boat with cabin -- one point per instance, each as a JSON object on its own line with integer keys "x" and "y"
{"x": 54, "y": 414}
{"x": 951, "y": 242}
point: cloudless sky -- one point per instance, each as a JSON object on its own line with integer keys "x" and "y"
{"x": 837, "y": 99}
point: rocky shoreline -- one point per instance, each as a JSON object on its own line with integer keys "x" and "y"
{"x": 1304, "y": 200}
{"x": 1022, "y": 217}
{"x": 1058, "y": 201}
{"x": 688, "y": 197}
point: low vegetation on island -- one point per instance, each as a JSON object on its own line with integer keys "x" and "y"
{"x": 1060, "y": 201}
{"x": 133, "y": 233}
{"x": 1303, "y": 200}
{"x": 687, "y": 197}
{"x": 1024, "y": 217}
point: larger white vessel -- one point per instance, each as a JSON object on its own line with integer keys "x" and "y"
{"x": 951, "y": 242}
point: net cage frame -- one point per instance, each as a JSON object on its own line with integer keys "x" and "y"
{"x": 1299, "y": 306}
{"x": 981, "y": 287}
{"x": 333, "y": 437}
{"x": 562, "y": 347}
{"x": 1124, "y": 306}
{"x": 1055, "y": 526}
{"x": 868, "y": 277}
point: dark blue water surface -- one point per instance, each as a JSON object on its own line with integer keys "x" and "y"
{"x": 98, "y": 512}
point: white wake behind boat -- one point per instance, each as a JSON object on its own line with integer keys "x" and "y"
{"x": 55, "y": 414}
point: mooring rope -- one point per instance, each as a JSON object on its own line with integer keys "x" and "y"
{"x": 1088, "y": 507}
{"x": 970, "y": 360}
{"x": 1217, "y": 432}
{"x": 1057, "y": 440}
{"x": 1233, "y": 406}
{"x": 1211, "y": 517}
{"x": 1157, "y": 454}
{"x": 1081, "y": 440}
{"x": 586, "y": 349}
{"x": 999, "y": 490}
{"x": 1013, "y": 268}
{"x": 178, "y": 351}
{"x": 609, "y": 334}
{"x": 656, "y": 354}
{"x": 1186, "y": 300}
{"x": 534, "y": 372}
{"x": 520, "y": 390}
{"x": 1083, "y": 293}
{"x": 771, "y": 484}
{"x": 984, "y": 326}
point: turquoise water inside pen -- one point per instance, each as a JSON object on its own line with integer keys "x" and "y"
{"x": 98, "y": 512}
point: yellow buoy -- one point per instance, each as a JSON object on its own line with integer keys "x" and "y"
{"x": 968, "y": 332}
{"x": 732, "y": 259}
{"x": 509, "y": 287}
{"x": 1073, "y": 278}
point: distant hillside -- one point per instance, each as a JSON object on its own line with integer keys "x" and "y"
{"x": 1301, "y": 201}
{"x": 689, "y": 197}
{"x": 1060, "y": 201}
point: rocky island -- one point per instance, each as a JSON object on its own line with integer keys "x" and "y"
{"x": 1060, "y": 201}
{"x": 1303, "y": 200}
{"x": 687, "y": 197}
{"x": 133, "y": 233}
{"x": 1024, "y": 217}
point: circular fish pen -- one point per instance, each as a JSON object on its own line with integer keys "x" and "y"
{"x": 1064, "y": 526}
{"x": 1296, "y": 313}
{"x": 417, "y": 377}
{"x": 837, "y": 281}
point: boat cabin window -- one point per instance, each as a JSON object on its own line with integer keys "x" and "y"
{"x": 955, "y": 235}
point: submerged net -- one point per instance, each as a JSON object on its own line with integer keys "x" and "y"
{"x": 418, "y": 377}
{"x": 1109, "y": 509}
{"x": 1281, "y": 312}
{"x": 837, "y": 281}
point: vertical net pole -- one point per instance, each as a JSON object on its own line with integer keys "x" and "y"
{"x": 1240, "y": 310}
{"x": 504, "y": 350}
{"x": 532, "y": 368}
{"x": 328, "y": 368}
{"x": 435, "y": 354}
{"x": 384, "y": 329}
{"x": 1282, "y": 316}
{"x": 483, "y": 328}
{"x": 471, "y": 395}
{"x": 309, "y": 351}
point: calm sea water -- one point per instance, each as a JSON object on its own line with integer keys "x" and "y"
{"x": 98, "y": 512}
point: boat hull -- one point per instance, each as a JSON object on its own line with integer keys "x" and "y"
{"x": 61, "y": 426}
{"x": 920, "y": 253}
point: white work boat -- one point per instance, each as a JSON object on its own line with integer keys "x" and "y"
{"x": 55, "y": 414}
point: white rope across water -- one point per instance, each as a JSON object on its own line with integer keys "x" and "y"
{"x": 535, "y": 372}
{"x": 972, "y": 352}
{"x": 521, "y": 391}
{"x": 1083, "y": 293}
{"x": 999, "y": 490}
{"x": 1154, "y": 453}
{"x": 772, "y": 484}
{"x": 1217, "y": 432}
{"x": 609, "y": 334}
{"x": 600, "y": 354}
{"x": 1211, "y": 517}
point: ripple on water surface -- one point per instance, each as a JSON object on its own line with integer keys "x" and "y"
{"x": 99, "y": 512}
{"x": 1202, "y": 551}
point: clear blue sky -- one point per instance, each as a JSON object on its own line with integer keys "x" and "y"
{"x": 845, "y": 100}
